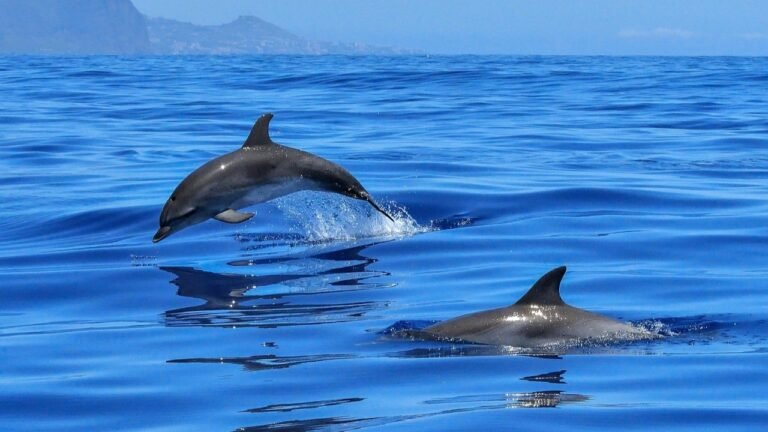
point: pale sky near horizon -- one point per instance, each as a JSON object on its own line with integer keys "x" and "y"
{"x": 608, "y": 27}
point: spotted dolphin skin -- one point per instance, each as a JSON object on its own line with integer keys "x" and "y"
{"x": 539, "y": 319}
{"x": 259, "y": 171}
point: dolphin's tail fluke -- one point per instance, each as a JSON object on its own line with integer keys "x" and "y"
{"x": 376, "y": 206}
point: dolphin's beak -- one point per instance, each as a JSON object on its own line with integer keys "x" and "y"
{"x": 162, "y": 233}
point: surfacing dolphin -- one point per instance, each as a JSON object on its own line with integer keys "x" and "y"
{"x": 259, "y": 171}
{"x": 539, "y": 319}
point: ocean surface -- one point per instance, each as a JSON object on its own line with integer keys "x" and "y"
{"x": 647, "y": 177}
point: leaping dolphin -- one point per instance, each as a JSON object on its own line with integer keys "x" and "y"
{"x": 539, "y": 319}
{"x": 259, "y": 171}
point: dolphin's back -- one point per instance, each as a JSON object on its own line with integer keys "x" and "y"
{"x": 467, "y": 327}
{"x": 531, "y": 326}
{"x": 326, "y": 174}
{"x": 538, "y": 319}
{"x": 268, "y": 161}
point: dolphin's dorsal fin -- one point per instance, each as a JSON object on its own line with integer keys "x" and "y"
{"x": 546, "y": 291}
{"x": 259, "y": 135}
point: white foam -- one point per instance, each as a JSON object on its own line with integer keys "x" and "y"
{"x": 655, "y": 327}
{"x": 323, "y": 217}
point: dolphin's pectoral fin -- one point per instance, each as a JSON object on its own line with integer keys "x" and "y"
{"x": 259, "y": 133}
{"x": 233, "y": 216}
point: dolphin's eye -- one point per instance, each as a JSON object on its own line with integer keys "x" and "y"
{"x": 173, "y": 198}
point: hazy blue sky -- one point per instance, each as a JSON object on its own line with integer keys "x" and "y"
{"x": 668, "y": 27}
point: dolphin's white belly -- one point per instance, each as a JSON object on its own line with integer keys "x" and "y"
{"x": 266, "y": 192}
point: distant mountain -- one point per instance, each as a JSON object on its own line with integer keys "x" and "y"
{"x": 116, "y": 27}
{"x": 245, "y": 35}
{"x": 72, "y": 27}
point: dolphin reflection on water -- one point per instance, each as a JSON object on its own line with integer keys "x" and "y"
{"x": 277, "y": 298}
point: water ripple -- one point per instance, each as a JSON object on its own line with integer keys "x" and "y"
{"x": 645, "y": 175}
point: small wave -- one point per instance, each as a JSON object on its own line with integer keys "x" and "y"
{"x": 685, "y": 326}
{"x": 452, "y": 223}
{"x": 265, "y": 362}
{"x": 93, "y": 73}
{"x": 288, "y": 407}
{"x": 656, "y": 327}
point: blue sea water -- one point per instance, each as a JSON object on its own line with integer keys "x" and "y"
{"x": 647, "y": 177}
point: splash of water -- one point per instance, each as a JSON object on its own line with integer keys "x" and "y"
{"x": 324, "y": 217}
{"x": 656, "y": 327}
